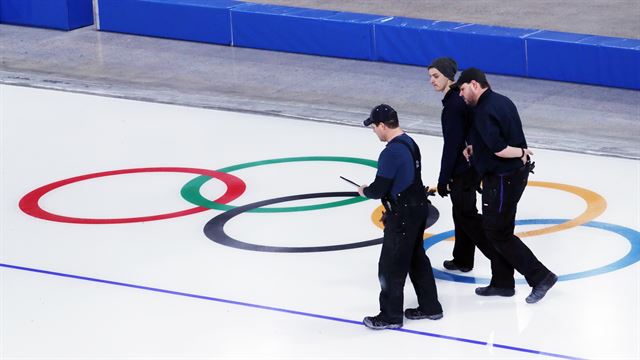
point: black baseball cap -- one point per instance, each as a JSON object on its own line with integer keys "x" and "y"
{"x": 468, "y": 75}
{"x": 382, "y": 113}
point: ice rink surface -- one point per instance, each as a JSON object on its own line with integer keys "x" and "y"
{"x": 116, "y": 264}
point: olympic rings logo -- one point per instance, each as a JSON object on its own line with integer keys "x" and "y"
{"x": 235, "y": 187}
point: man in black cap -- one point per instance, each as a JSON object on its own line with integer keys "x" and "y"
{"x": 499, "y": 152}
{"x": 398, "y": 184}
{"x": 457, "y": 176}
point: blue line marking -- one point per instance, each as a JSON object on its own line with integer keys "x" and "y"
{"x": 294, "y": 312}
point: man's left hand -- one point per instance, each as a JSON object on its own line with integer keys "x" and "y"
{"x": 443, "y": 189}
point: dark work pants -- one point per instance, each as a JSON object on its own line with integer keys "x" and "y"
{"x": 466, "y": 220}
{"x": 500, "y": 196}
{"x": 469, "y": 231}
{"x": 403, "y": 253}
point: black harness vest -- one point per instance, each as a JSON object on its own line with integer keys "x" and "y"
{"x": 415, "y": 194}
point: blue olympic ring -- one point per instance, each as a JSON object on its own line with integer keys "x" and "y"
{"x": 630, "y": 258}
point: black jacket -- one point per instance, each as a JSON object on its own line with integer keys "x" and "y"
{"x": 456, "y": 123}
{"x": 496, "y": 124}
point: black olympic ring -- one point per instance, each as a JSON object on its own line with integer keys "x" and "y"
{"x": 214, "y": 229}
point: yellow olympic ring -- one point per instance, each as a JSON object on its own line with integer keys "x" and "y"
{"x": 596, "y": 205}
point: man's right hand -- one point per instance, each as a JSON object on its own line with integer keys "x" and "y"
{"x": 526, "y": 155}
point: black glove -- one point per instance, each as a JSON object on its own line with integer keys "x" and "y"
{"x": 443, "y": 189}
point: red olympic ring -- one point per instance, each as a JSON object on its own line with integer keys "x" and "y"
{"x": 29, "y": 203}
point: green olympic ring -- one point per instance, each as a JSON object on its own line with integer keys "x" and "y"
{"x": 191, "y": 190}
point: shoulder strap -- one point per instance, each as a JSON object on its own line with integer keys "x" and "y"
{"x": 415, "y": 155}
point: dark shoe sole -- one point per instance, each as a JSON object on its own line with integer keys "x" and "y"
{"x": 368, "y": 323}
{"x": 420, "y": 317}
{"x": 495, "y": 292}
{"x": 537, "y": 294}
{"x": 450, "y": 265}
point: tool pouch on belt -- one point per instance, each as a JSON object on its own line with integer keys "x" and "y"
{"x": 389, "y": 207}
{"x": 383, "y": 218}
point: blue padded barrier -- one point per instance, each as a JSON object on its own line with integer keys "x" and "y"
{"x": 492, "y": 48}
{"x": 583, "y": 58}
{"x": 307, "y": 31}
{"x": 414, "y": 41}
{"x": 403, "y": 40}
{"x": 53, "y": 14}
{"x": 500, "y": 50}
{"x": 195, "y": 20}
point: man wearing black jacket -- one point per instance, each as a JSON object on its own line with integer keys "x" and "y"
{"x": 457, "y": 177}
{"x": 460, "y": 179}
{"x": 499, "y": 152}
